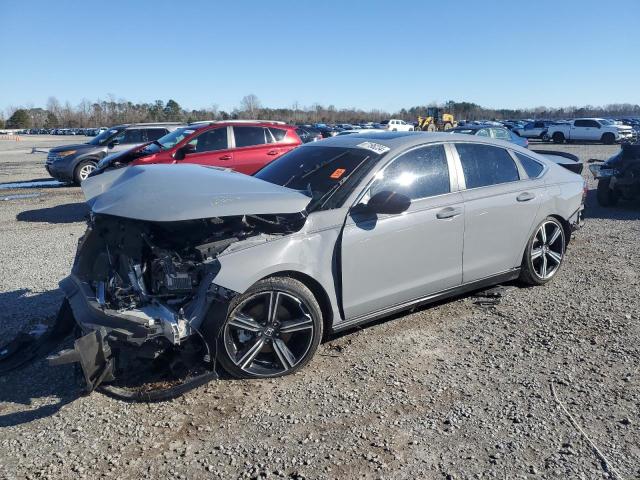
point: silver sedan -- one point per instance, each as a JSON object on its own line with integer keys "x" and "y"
{"x": 254, "y": 271}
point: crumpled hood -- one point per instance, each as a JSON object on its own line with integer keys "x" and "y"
{"x": 168, "y": 193}
{"x": 124, "y": 156}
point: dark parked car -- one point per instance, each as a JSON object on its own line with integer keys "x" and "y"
{"x": 618, "y": 177}
{"x": 74, "y": 163}
{"x": 309, "y": 134}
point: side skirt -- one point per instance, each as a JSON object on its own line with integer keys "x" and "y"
{"x": 451, "y": 292}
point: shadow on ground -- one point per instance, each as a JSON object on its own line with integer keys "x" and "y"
{"x": 67, "y": 213}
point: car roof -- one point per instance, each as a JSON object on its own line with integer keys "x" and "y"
{"x": 241, "y": 123}
{"x": 151, "y": 124}
{"x": 400, "y": 141}
{"x": 476, "y": 127}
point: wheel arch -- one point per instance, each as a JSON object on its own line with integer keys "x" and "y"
{"x": 318, "y": 291}
{"x": 565, "y": 226}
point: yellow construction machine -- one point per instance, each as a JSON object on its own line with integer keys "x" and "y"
{"x": 436, "y": 121}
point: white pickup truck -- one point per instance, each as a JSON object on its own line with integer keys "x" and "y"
{"x": 590, "y": 129}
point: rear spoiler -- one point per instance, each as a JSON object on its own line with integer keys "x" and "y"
{"x": 570, "y": 156}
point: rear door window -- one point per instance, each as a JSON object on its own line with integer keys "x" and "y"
{"x": 250, "y": 136}
{"x": 581, "y": 123}
{"x": 133, "y": 135}
{"x": 420, "y": 173}
{"x": 211, "y": 140}
{"x": 278, "y": 133}
{"x": 485, "y": 165}
{"x": 155, "y": 133}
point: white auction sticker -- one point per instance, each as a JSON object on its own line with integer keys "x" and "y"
{"x": 374, "y": 147}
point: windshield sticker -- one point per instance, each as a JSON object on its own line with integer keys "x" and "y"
{"x": 374, "y": 147}
{"x": 337, "y": 173}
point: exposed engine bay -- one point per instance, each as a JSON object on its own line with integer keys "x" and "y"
{"x": 142, "y": 293}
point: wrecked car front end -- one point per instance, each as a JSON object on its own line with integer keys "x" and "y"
{"x": 142, "y": 288}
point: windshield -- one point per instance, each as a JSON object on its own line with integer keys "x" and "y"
{"x": 169, "y": 141}
{"x": 105, "y": 136}
{"x": 326, "y": 174}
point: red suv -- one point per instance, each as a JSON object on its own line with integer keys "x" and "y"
{"x": 243, "y": 146}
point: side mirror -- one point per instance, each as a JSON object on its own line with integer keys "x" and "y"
{"x": 184, "y": 151}
{"x": 112, "y": 144}
{"x": 388, "y": 202}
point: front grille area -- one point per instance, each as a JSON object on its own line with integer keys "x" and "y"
{"x": 52, "y": 157}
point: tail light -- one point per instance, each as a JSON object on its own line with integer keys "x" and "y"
{"x": 585, "y": 190}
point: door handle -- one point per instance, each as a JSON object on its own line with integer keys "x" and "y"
{"x": 225, "y": 157}
{"x": 273, "y": 152}
{"x": 525, "y": 197}
{"x": 448, "y": 212}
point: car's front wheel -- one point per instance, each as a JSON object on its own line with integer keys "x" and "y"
{"x": 83, "y": 170}
{"x": 544, "y": 253}
{"x": 273, "y": 329}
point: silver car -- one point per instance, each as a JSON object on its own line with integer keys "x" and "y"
{"x": 187, "y": 261}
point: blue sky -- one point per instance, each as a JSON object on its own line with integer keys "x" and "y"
{"x": 367, "y": 54}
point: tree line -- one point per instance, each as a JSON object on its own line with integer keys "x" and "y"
{"x": 111, "y": 112}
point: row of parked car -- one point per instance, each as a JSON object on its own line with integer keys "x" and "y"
{"x": 605, "y": 130}
{"x": 242, "y": 145}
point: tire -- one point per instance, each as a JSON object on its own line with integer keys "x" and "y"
{"x": 606, "y": 197}
{"x": 251, "y": 341}
{"x": 447, "y": 126}
{"x": 545, "y": 137}
{"x": 83, "y": 169}
{"x": 608, "y": 138}
{"x": 432, "y": 127}
{"x": 544, "y": 253}
{"x": 558, "y": 137}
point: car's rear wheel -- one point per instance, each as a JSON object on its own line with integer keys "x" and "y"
{"x": 605, "y": 195}
{"x": 558, "y": 137}
{"x": 271, "y": 330}
{"x": 431, "y": 127}
{"x": 83, "y": 170}
{"x": 608, "y": 138}
{"x": 544, "y": 253}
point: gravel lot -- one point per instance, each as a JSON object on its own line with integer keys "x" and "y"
{"x": 454, "y": 390}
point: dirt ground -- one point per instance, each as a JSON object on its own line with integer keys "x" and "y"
{"x": 453, "y": 391}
